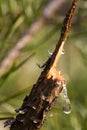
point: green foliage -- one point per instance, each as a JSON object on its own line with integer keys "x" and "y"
{"x": 16, "y": 16}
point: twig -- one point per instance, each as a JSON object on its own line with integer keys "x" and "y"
{"x": 32, "y": 113}
{"x": 15, "y": 51}
{"x": 63, "y": 36}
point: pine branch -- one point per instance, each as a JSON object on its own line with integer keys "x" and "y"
{"x": 44, "y": 93}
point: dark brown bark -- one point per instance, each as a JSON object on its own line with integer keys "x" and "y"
{"x": 42, "y": 97}
{"x": 40, "y": 100}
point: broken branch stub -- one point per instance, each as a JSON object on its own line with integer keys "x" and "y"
{"x": 32, "y": 113}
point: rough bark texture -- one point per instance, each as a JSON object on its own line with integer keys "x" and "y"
{"x": 41, "y": 99}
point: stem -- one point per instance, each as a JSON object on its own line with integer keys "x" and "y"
{"x": 64, "y": 32}
{"x": 32, "y": 113}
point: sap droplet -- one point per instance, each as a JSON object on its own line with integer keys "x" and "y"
{"x": 62, "y": 52}
{"x": 67, "y": 106}
{"x": 50, "y": 53}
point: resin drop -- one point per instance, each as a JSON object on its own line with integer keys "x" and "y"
{"x": 67, "y": 106}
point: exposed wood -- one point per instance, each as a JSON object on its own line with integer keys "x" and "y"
{"x": 42, "y": 97}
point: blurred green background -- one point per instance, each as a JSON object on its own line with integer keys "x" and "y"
{"x": 16, "y": 16}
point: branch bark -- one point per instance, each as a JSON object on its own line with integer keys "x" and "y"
{"x": 44, "y": 93}
{"x": 13, "y": 54}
